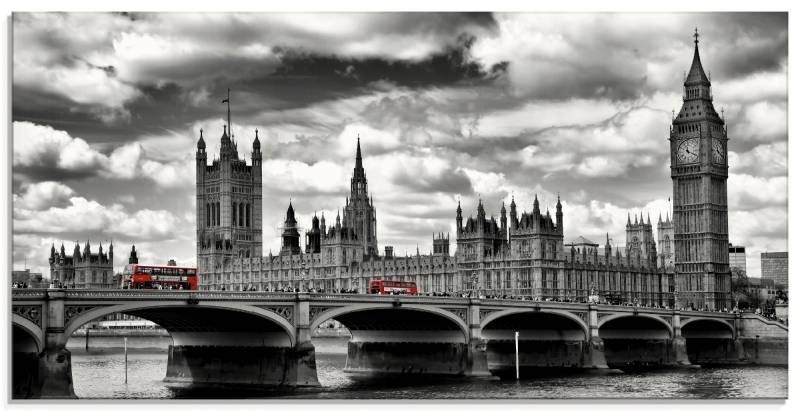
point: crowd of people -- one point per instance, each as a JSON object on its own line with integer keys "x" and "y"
{"x": 18, "y": 284}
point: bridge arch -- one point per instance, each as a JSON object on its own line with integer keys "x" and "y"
{"x": 656, "y": 318}
{"x": 717, "y": 324}
{"x": 565, "y": 314}
{"x": 31, "y": 330}
{"x": 341, "y": 314}
{"x": 251, "y": 316}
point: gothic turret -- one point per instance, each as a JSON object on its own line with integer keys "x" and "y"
{"x": 133, "y": 258}
{"x": 227, "y": 151}
{"x": 559, "y": 215}
{"x": 201, "y": 143}
{"x": 513, "y": 213}
{"x": 290, "y": 239}
{"x": 459, "y": 219}
{"x": 256, "y": 156}
{"x": 503, "y": 221}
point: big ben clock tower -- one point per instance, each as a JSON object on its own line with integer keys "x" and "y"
{"x": 699, "y": 167}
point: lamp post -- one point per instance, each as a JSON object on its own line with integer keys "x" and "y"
{"x": 303, "y": 276}
{"x": 593, "y": 297}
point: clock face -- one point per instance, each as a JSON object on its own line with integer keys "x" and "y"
{"x": 718, "y": 151}
{"x": 689, "y": 151}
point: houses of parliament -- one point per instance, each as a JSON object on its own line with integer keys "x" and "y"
{"x": 523, "y": 253}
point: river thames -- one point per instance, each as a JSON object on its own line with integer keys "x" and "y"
{"x": 101, "y": 375}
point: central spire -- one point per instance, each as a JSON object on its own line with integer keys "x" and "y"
{"x": 697, "y": 76}
{"x": 358, "y": 184}
{"x": 358, "y": 152}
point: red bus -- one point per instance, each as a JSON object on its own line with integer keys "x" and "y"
{"x": 392, "y": 287}
{"x": 159, "y": 277}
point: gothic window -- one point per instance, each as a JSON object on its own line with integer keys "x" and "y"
{"x": 234, "y": 213}
{"x": 247, "y": 214}
{"x": 217, "y": 207}
{"x": 241, "y": 213}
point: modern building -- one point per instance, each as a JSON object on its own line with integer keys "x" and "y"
{"x": 513, "y": 254}
{"x": 82, "y": 269}
{"x": 775, "y": 266}
{"x": 737, "y": 257}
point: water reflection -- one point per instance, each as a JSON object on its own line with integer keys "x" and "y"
{"x": 102, "y": 376}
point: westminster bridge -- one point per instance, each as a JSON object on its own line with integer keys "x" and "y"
{"x": 259, "y": 338}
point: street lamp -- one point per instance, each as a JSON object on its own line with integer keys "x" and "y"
{"x": 303, "y": 275}
{"x": 593, "y": 297}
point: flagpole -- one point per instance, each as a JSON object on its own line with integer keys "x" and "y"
{"x": 230, "y": 130}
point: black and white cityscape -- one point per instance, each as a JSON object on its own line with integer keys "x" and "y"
{"x": 456, "y": 206}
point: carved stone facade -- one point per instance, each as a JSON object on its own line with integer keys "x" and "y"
{"x": 82, "y": 269}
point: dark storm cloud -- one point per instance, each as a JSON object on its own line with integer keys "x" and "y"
{"x": 449, "y": 66}
{"x": 448, "y": 181}
{"x": 761, "y": 43}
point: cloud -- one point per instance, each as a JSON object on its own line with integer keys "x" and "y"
{"x": 42, "y": 146}
{"x": 610, "y": 148}
{"x": 764, "y": 160}
{"x": 43, "y": 195}
{"x": 82, "y": 215}
{"x": 746, "y": 192}
{"x": 42, "y": 150}
{"x": 762, "y": 122}
{"x": 293, "y": 178}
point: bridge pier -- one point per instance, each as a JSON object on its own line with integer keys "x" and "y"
{"x": 477, "y": 362}
{"x": 594, "y": 355}
{"x": 680, "y": 357}
{"x": 302, "y": 370}
{"x": 46, "y": 374}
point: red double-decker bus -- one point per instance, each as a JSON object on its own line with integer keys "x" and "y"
{"x": 159, "y": 277}
{"x": 392, "y": 287}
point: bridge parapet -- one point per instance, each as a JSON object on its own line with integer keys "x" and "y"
{"x": 177, "y": 295}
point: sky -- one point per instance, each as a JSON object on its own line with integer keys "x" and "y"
{"x": 107, "y": 110}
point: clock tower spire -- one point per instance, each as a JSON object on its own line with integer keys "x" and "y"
{"x": 699, "y": 170}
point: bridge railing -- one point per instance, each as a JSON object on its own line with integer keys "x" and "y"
{"x": 28, "y": 293}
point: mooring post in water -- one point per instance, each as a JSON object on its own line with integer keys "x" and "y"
{"x": 87, "y": 339}
{"x": 516, "y": 350}
{"x": 126, "y": 360}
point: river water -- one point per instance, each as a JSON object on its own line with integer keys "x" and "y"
{"x": 101, "y": 375}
